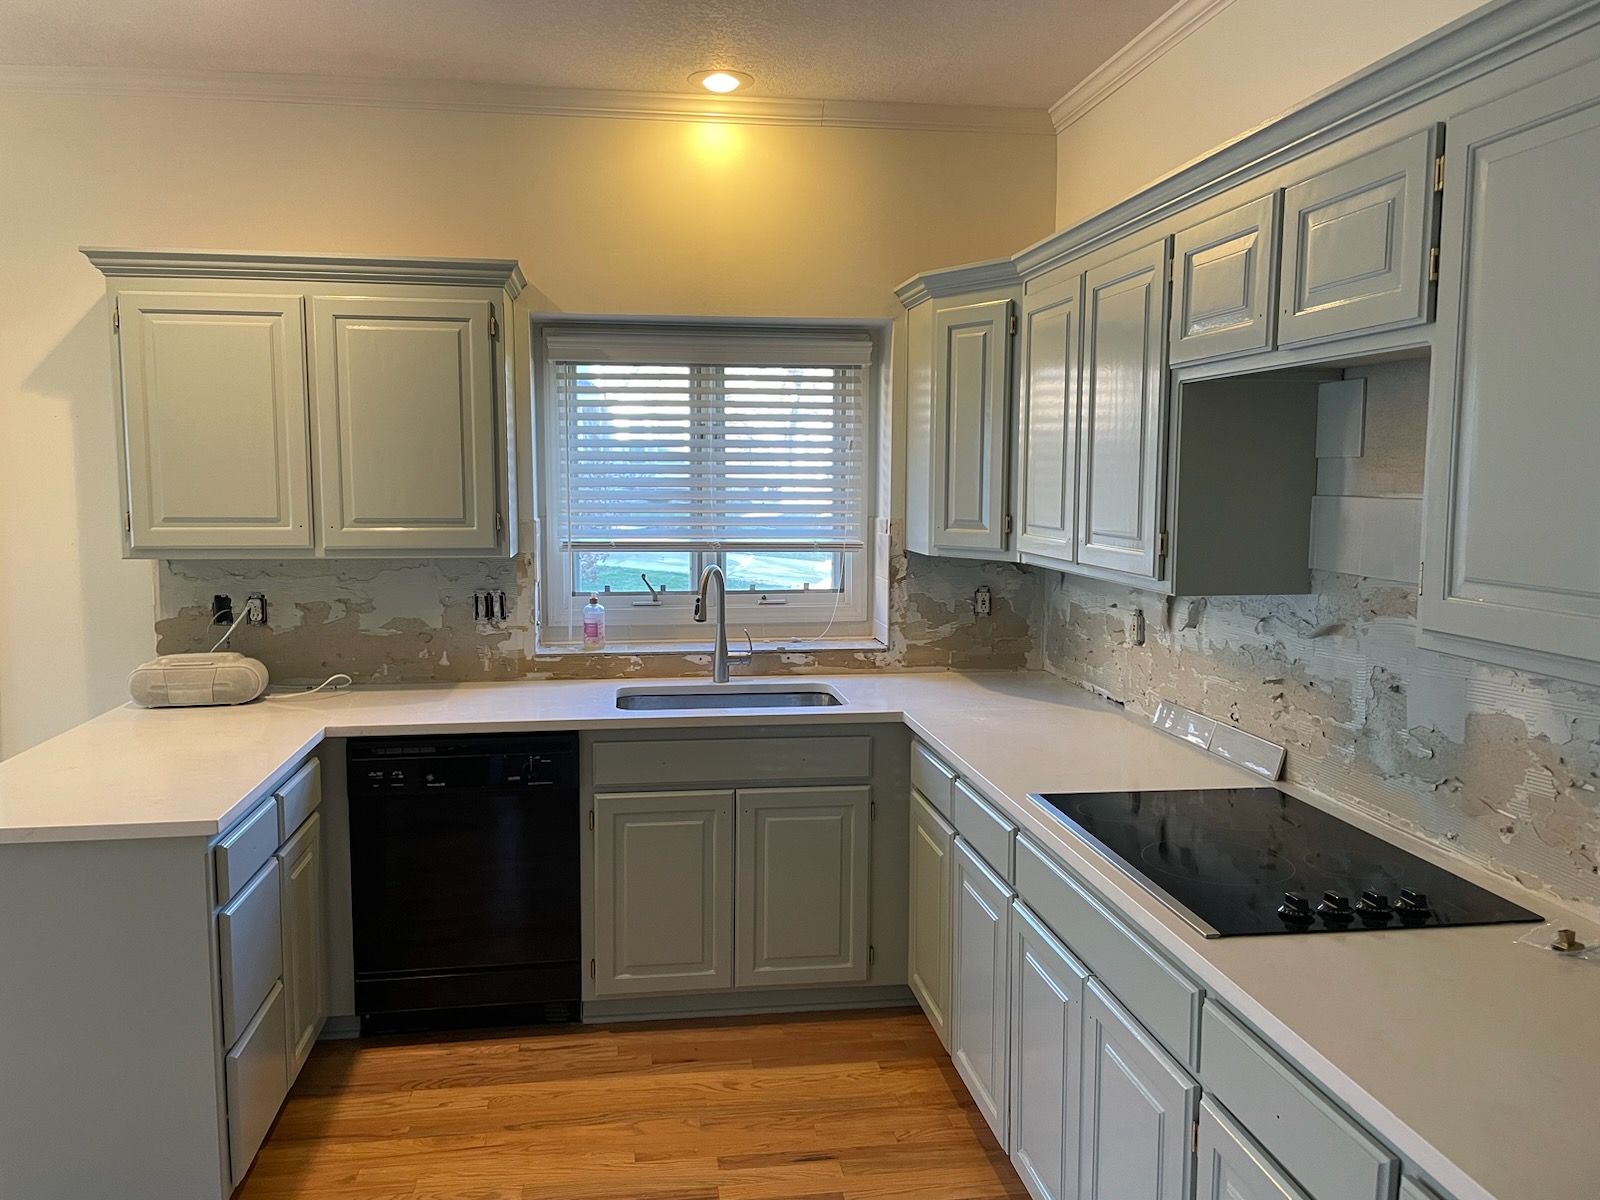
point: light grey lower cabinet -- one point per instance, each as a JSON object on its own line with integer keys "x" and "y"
{"x": 980, "y": 984}
{"x": 257, "y": 1072}
{"x": 931, "y": 871}
{"x": 1139, "y": 1108}
{"x": 1232, "y": 1166}
{"x": 803, "y": 913}
{"x": 300, "y": 868}
{"x": 663, "y": 867}
{"x": 1047, "y": 986}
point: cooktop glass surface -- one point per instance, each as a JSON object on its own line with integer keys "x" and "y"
{"x": 1238, "y": 861}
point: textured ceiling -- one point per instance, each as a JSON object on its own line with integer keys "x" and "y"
{"x": 1013, "y": 53}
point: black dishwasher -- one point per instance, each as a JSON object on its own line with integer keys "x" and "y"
{"x": 464, "y": 879}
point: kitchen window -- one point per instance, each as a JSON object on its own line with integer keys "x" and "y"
{"x": 669, "y": 449}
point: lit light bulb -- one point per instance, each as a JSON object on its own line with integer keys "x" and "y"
{"x": 721, "y": 81}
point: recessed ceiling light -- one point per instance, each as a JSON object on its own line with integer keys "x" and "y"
{"x": 721, "y": 80}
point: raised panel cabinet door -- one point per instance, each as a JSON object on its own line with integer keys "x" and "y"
{"x": 215, "y": 417}
{"x": 406, "y": 424}
{"x": 1046, "y": 1058}
{"x": 804, "y": 911}
{"x": 1139, "y": 1110}
{"x": 980, "y": 985}
{"x": 1223, "y": 273}
{"x": 1232, "y": 1166}
{"x": 928, "y": 971}
{"x": 1357, "y": 240}
{"x": 1124, "y": 394}
{"x": 663, "y": 917}
{"x": 971, "y": 375}
{"x": 304, "y": 971}
{"x": 1047, "y": 453}
{"x": 1512, "y": 541}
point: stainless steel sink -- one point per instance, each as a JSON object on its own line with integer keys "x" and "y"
{"x": 727, "y": 695}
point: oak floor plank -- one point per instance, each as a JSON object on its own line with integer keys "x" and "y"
{"x": 846, "y": 1106}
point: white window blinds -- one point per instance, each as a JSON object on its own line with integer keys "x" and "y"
{"x": 711, "y": 440}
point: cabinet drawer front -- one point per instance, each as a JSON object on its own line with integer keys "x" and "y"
{"x": 1224, "y": 270}
{"x": 991, "y": 834}
{"x": 1232, "y": 1166}
{"x": 257, "y": 1080}
{"x": 1356, "y": 243}
{"x": 1164, "y": 1000}
{"x": 748, "y": 760}
{"x": 1316, "y": 1143}
{"x": 250, "y": 947}
{"x": 932, "y": 778}
{"x": 244, "y": 848}
{"x": 1412, "y": 1189}
{"x": 298, "y": 799}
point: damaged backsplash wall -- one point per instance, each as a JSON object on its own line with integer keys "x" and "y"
{"x": 411, "y": 621}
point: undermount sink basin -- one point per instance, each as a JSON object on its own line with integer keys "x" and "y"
{"x": 728, "y": 695}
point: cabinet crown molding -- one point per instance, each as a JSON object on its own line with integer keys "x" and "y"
{"x": 504, "y": 273}
{"x": 958, "y": 281}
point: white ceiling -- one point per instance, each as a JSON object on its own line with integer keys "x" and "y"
{"x": 1010, "y": 53}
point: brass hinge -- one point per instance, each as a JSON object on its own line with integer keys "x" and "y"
{"x": 494, "y": 323}
{"x": 591, "y": 968}
{"x": 499, "y": 522}
{"x": 1161, "y": 544}
{"x": 127, "y": 522}
{"x": 1433, "y": 265}
{"x": 1194, "y": 1144}
{"x": 116, "y": 315}
{"x": 1008, "y": 523}
{"x": 1438, "y": 174}
{"x": 1011, "y": 325}
{"x": 591, "y": 818}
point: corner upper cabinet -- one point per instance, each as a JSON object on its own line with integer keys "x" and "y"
{"x": 1224, "y": 276}
{"x": 312, "y": 406}
{"x": 1511, "y": 561}
{"x": 961, "y": 327}
{"x": 1358, "y": 240}
{"x": 1048, "y": 405}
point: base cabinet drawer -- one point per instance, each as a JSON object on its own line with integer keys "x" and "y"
{"x": 932, "y": 778}
{"x": 1412, "y": 1189}
{"x": 245, "y": 847}
{"x": 1326, "y": 1152}
{"x": 1231, "y": 1165}
{"x": 250, "y": 945}
{"x": 257, "y": 1077}
{"x": 991, "y": 835}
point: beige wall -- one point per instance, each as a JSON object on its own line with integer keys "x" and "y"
{"x": 606, "y": 216}
{"x": 1253, "y": 61}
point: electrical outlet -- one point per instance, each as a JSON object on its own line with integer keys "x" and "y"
{"x": 221, "y": 610}
{"x": 983, "y": 602}
{"x": 255, "y": 609}
{"x": 489, "y": 607}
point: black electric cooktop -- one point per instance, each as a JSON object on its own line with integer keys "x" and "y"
{"x": 1237, "y": 861}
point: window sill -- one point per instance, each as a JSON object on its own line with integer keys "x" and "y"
{"x": 687, "y": 649}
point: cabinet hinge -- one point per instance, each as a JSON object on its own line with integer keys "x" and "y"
{"x": 872, "y": 955}
{"x": 127, "y": 522}
{"x": 116, "y": 315}
{"x": 1011, "y": 324}
{"x": 1008, "y": 523}
{"x": 1433, "y": 265}
{"x": 591, "y": 968}
{"x": 494, "y": 323}
{"x": 591, "y": 819}
{"x": 499, "y": 522}
{"x": 1422, "y": 569}
{"x": 1438, "y": 174}
{"x": 1161, "y": 544}
{"x": 1194, "y": 1141}
{"x": 872, "y": 810}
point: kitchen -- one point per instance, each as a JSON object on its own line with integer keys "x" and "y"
{"x": 1491, "y": 764}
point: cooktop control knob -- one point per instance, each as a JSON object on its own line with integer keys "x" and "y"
{"x": 1335, "y": 909}
{"x": 1413, "y": 905}
{"x": 1373, "y": 907}
{"x": 1295, "y": 910}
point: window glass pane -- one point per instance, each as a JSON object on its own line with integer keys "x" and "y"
{"x": 595, "y": 571}
{"x": 764, "y": 571}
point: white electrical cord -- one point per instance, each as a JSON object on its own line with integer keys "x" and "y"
{"x": 238, "y": 621}
{"x": 332, "y": 681}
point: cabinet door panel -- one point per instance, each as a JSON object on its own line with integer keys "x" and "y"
{"x": 406, "y": 424}
{"x": 663, "y": 897}
{"x": 1356, "y": 244}
{"x": 1224, "y": 270}
{"x": 256, "y": 1075}
{"x": 1124, "y": 394}
{"x": 1139, "y": 1107}
{"x": 1512, "y": 555}
{"x": 980, "y": 982}
{"x": 803, "y": 913}
{"x": 1046, "y": 1058}
{"x": 304, "y": 973}
{"x": 1047, "y": 455}
{"x": 971, "y": 372}
{"x": 931, "y": 869}
{"x": 1232, "y": 1167}
{"x": 214, "y": 412}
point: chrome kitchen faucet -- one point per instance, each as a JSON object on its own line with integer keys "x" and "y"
{"x": 720, "y": 657}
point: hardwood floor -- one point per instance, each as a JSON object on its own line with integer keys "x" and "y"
{"x": 837, "y": 1106}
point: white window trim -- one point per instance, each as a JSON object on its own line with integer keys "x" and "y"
{"x": 817, "y": 621}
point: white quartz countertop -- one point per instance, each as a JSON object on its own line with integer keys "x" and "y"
{"x": 1473, "y": 1055}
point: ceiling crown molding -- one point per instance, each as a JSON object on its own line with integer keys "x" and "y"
{"x": 502, "y": 273}
{"x": 1170, "y": 28}
{"x": 522, "y": 99}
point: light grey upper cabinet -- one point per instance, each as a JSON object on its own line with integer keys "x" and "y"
{"x": 1047, "y": 420}
{"x": 1357, "y": 243}
{"x": 931, "y": 871}
{"x": 300, "y": 869}
{"x": 1047, "y": 987}
{"x": 1511, "y": 555}
{"x": 803, "y": 906}
{"x": 971, "y": 381}
{"x": 405, "y": 422}
{"x": 1224, "y": 271}
{"x": 1139, "y": 1108}
{"x": 215, "y": 419}
{"x": 1232, "y": 1167}
{"x": 980, "y": 985}
{"x": 663, "y": 918}
{"x": 1124, "y": 375}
